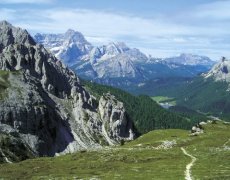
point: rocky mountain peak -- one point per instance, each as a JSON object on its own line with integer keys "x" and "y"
{"x": 116, "y": 48}
{"x": 10, "y": 35}
{"x": 5, "y": 23}
{"x": 71, "y": 32}
{"x": 220, "y": 71}
{"x": 122, "y": 45}
{"x": 110, "y": 50}
{"x": 75, "y": 37}
{"x": 68, "y": 47}
{"x": 21, "y": 53}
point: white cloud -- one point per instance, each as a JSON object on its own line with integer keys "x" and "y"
{"x": 94, "y": 23}
{"x": 25, "y": 1}
{"x": 157, "y": 35}
{"x": 109, "y": 23}
{"x": 218, "y": 10}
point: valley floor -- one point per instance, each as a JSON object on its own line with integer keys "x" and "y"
{"x": 161, "y": 154}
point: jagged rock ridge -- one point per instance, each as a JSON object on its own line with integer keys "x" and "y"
{"x": 44, "y": 102}
{"x": 69, "y": 47}
{"x": 115, "y": 60}
{"x": 118, "y": 65}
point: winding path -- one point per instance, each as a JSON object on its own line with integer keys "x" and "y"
{"x": 188, "y": 175}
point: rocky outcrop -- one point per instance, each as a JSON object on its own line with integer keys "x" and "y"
{"x": 198, "y": 129}
{"x": 44, "y": 102}
{"x": 220, "y": 71}
{"x": 115, "y": 118}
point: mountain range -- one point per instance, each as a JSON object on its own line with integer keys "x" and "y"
{"x": 117, "y": 64}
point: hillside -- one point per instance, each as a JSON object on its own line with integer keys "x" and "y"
{"x": 207, "y": 96}
{"x": 146, "y": 113}
{"x": 160, "y": 154}
{"x": 208, "y": 93}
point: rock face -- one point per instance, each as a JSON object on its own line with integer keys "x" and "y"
{"x": 220, "y": 72}
{"x": 12, "y": 148}
{"x": 45, "y": 103}
{"x": 198, "y": 129}
{"x": 115, "y": 118}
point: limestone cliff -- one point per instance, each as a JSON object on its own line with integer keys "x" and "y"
{"x": 44, "y": 102}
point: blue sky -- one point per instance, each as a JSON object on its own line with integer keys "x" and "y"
{"x": 161, "y": 28}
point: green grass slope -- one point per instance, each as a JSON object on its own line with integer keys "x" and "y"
{"x": 199, "y": 95}
{"x": 148, "y": 157}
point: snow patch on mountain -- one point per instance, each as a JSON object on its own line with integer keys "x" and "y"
{"x": 69, "y": 47}
{"x": 116, "y": 63}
